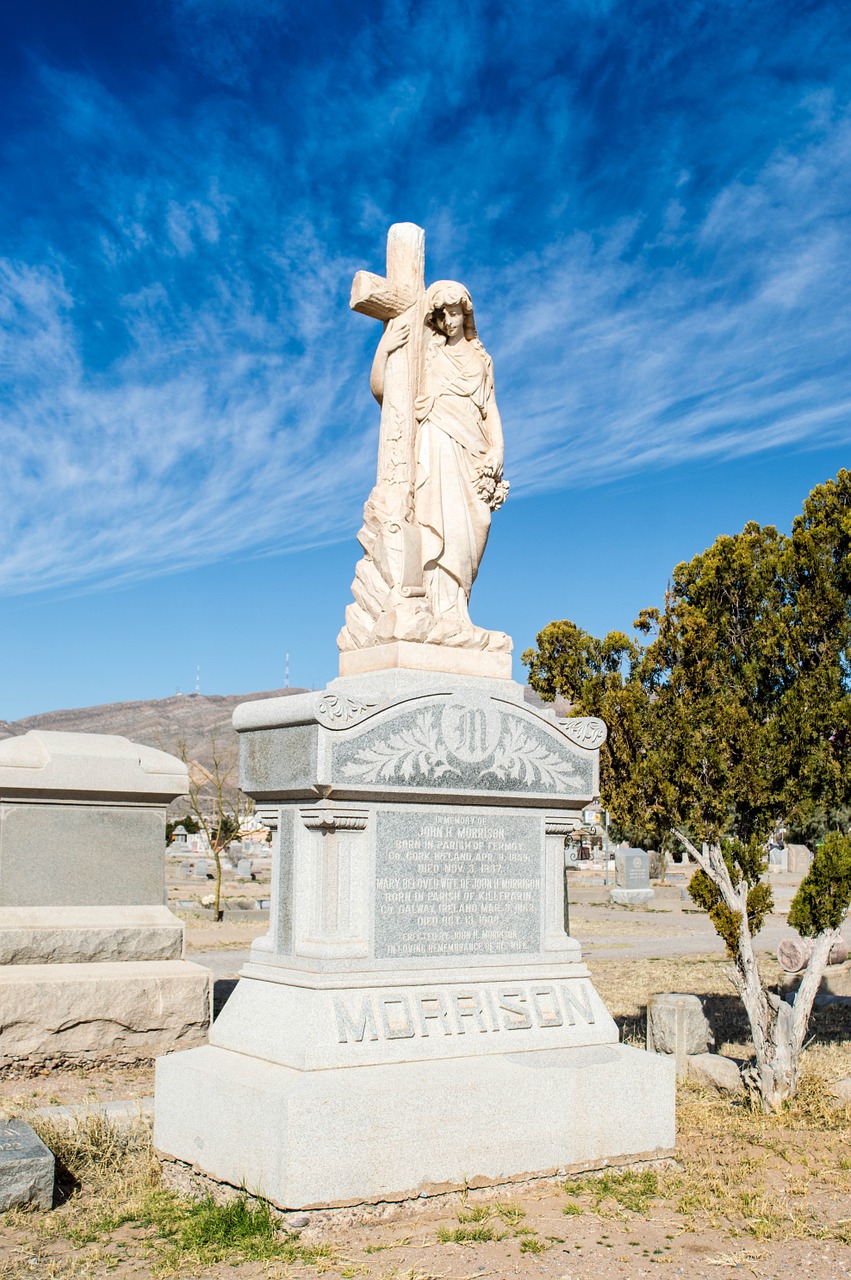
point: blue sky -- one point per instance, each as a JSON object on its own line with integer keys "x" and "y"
{"x": 649, "y": 202}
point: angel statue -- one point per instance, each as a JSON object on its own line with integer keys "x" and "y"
{"x": 427, "y": 521}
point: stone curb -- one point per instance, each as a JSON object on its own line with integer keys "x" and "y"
{"x": 120, "y": 1111}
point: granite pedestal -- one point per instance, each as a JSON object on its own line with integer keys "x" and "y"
{"x": 417, "y": 1017}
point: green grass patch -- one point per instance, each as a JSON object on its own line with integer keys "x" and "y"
{"x": 531, "y": 1244}
{"x": 629, "y": 1189}
{"x": 476, "y": 1213}
{"x": 510, "y": 1213}
{"x": 201, "y": 1232}
{"x": 117, "y": 1167}
{"x": 471, "y": 1233}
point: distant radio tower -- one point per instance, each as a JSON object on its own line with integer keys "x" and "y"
{"x": 287, "y": 672}
{"x": 198, "y": 678}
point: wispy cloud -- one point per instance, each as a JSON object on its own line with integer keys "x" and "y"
{"x": 657, "y": 251}
{"x": 736, "y": 342}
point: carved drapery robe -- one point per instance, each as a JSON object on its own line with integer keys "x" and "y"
{"x": 452, "y": 442}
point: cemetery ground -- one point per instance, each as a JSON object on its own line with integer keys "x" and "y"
{"x": 748, "y": 1194}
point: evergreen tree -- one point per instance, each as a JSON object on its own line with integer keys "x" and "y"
{"x": 730, "y": 719}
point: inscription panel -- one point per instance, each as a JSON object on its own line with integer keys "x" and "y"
{"x": 451, "y": 883}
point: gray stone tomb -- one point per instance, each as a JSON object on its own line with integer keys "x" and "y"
{"x": 417, "y": 980}
{"x": 82, "y": 920}
{"x": 799, "y": 859}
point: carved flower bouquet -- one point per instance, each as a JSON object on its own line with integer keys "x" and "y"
{"x": 491, "y": 488}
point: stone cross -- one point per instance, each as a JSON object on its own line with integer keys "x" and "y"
{"x": 401, "y": 293}
{"x": 382, "y": 297}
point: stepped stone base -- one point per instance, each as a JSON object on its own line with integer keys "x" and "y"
{"x": 360, "y": 1135}
{"x": 80, "y": 935}
{"x": 631, "y": 897}
{"x": 85, "y": 1011}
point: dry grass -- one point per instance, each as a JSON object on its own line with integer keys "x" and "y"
{"x": 113, "y": 1208}
{"x": 229, "y": 935}
{"x": 630, "y": 922}
{"x": 778, "y": 1177}
{"x": 101, "y": 1155}
{"x": 771, "y": 1177}
{"x": 626, "y": 985}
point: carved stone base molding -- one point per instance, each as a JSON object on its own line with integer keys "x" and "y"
{"x": 491, "y": 664}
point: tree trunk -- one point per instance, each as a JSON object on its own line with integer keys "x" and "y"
{"x": 217, "y": 912}
{"x": 777, "y": 1028}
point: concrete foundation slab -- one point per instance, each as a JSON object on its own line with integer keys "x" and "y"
{"x": 631, "y": 897}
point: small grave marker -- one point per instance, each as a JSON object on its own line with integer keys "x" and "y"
{"x": 26, "y": 1167}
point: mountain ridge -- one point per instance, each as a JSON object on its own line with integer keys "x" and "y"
{"x": 200, "y": 720}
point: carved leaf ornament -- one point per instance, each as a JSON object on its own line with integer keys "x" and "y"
{"x": 585, "y": 731}
{"x": 521, "y": 758}
{"x": 416, "y": 749}
{"x": 420, "y": 750}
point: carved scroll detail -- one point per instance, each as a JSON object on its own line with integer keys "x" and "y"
{"x": 338, "y": 712}
{"x": 585, "y": 731}
{"x": 327, "y": 820}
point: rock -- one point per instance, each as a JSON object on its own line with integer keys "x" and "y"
{"x": 676, "y": 1024}
{"x": 26, "y": 1167}
{"x": 716, "y": 1071}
